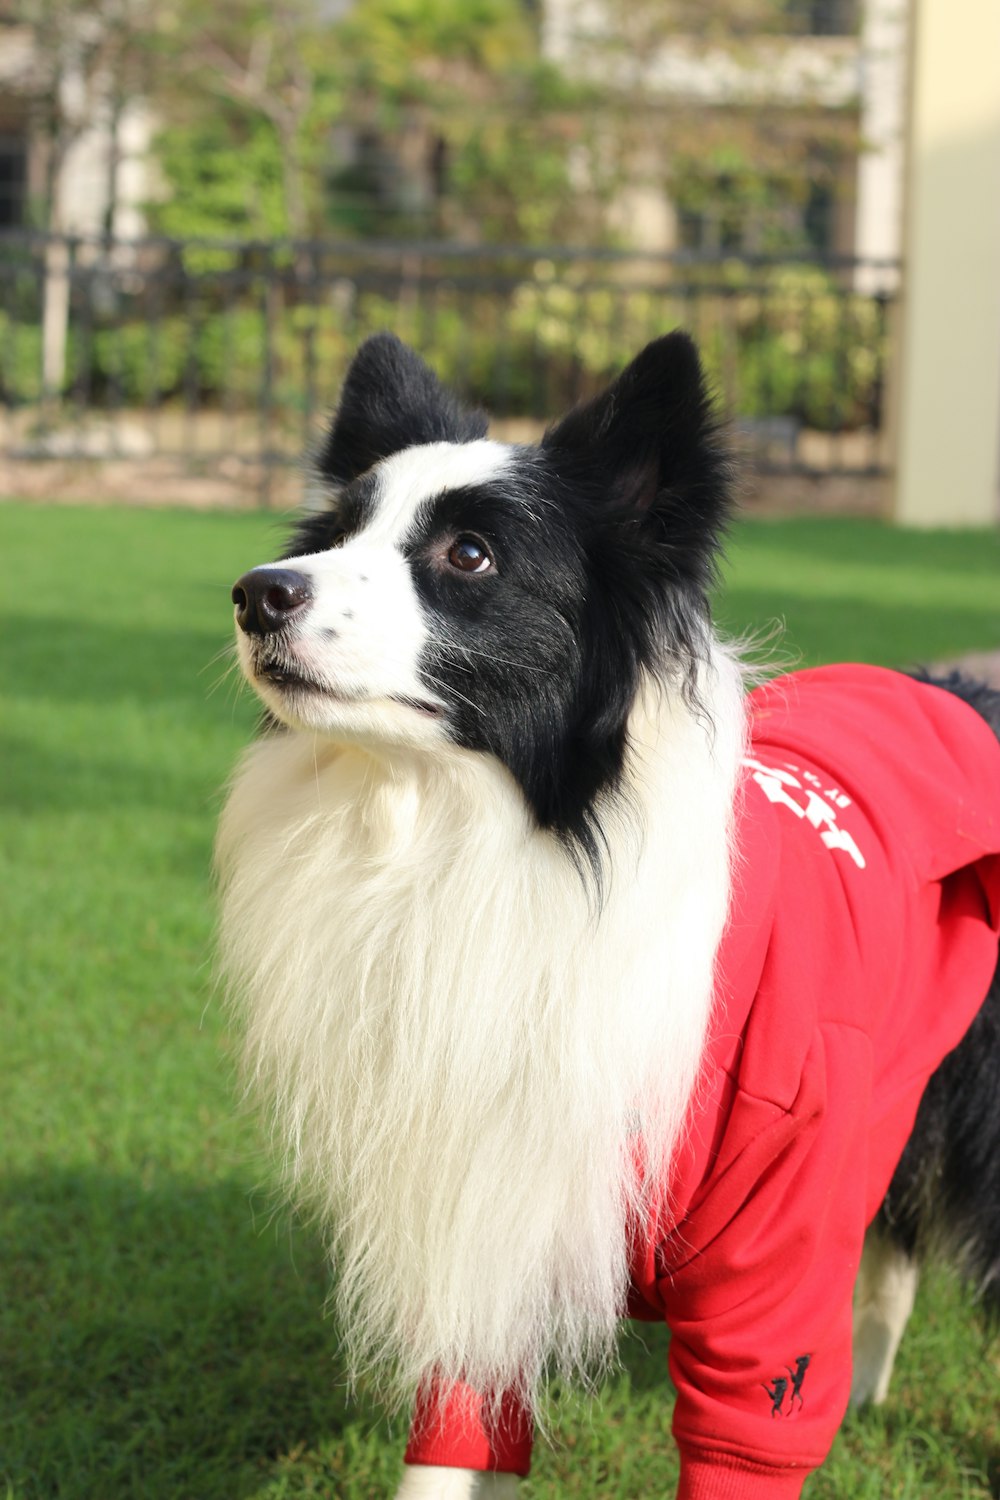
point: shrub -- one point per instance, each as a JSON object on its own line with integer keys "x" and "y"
{"x": 785, "y": 341}
{"x": 20, "y": 361}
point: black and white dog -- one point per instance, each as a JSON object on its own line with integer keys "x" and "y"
{"x": 481, "y": 873}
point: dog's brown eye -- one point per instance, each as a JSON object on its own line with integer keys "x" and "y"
{"x": 469, "y": 555}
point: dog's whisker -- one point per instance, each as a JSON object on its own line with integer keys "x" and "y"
{"x": 228, "y": 650}
{"x": 492, "y": 656}
{"x": 447, "y": 688}
{"x": 231, "y": 676}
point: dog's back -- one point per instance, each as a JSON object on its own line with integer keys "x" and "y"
{"x": 944, "y": 1198}
{"x": 945, "y": 1193}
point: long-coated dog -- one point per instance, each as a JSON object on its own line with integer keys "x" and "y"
{"x": 580, "y": 981}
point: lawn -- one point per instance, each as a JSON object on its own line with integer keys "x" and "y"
{"x": 161, "y": 1328}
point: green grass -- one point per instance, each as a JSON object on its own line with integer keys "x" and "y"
{"x": 161, "y": 1329}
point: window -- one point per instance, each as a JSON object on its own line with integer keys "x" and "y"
{"x": 13, "y": 181}
{"x": 822, "y": 17}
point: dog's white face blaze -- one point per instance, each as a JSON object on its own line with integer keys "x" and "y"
{"x": 362, "y": 637}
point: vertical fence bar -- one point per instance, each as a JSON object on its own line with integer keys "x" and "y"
{"x": 189, "y": 285}
{"x": 769, "y": 347}
{"x": 802, "y": 312}
{"x": 84, "y": 342}
{"x": 117, "y": 332}
{"x": 8, "y": 276}
{"x": 154, "y": 299}
{"x": 266, "y": 436}
{"x": 311, "y": 306}
{"x": 226, "y": 395}
{"x": 877, "y": 403}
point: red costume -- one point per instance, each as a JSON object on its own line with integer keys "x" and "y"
{"x": 862, "y": 940}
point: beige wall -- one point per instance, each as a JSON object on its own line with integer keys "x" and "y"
{"x": 948, "y": 392}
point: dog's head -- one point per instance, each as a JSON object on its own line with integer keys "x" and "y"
{"x": 507, "y": 599}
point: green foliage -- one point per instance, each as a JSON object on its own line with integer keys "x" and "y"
{"x": 249, "y": 93}
{"x": 404, "y": 51}
{"x": 161, "y": 1322}
{"x": 224, "y": 174}
{"x": 801, "y": 347}
{"x": 513, "y": 182}
{"x": 769, "y": 193}
{"x": 781, "y": 341}
{"x": 139, "y": 363}
{"x": 417, "y": 80}
{"x": 784, "y": 341}
{"x": 471, "y": 79}
{"x": 20, "y": 360}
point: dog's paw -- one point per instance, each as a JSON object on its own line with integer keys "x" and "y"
{"x": 429, "y": 1482}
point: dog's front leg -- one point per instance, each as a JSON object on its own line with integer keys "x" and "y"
{"x": 429, "y": 1482}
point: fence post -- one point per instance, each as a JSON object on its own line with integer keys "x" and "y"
{"x": 55, "y": 318}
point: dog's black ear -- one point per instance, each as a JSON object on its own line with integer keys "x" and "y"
{"x": 654, "y": 437}
{"x": 390, "y": 400}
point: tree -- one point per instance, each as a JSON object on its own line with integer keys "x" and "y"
{"x": 459, "y": 118}
{"x": 397, "y": 117}
{"x": 458, "y": 95}
{"x": 250, "y": 96}
{"x": 87, "y": 60}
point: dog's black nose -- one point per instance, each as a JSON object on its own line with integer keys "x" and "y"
{"x": 267, "y": 598}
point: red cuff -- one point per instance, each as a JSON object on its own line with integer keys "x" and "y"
{"x": 449, "y": 1429}
{"x": 722, "y": 1476}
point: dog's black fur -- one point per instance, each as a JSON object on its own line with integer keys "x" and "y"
{"x": 945, "y": 1193}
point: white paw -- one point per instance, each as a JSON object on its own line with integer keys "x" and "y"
{"x": 429, "y": 1482}
{"x": 883, "y": 1301}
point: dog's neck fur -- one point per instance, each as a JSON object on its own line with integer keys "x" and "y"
{"x": 458, "y": 1046}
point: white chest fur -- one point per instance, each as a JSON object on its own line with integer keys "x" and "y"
{"x": 456, "y": 1042}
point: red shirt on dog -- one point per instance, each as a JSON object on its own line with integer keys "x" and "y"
{"x": 862, "y": 941}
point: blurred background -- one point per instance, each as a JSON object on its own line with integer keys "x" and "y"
{"x": 203, "y": 208}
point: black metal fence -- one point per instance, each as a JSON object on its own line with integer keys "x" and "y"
{"x": 233, "y": 352}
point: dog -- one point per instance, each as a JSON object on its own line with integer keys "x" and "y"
{"x": 579, "y": 980}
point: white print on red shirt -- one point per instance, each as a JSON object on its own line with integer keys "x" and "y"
{"x": 812, "y": 802}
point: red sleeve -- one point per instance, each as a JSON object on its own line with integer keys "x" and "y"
{"x": 711, "y": 1476}
{"x": 450, "y": 1427}
{"x": 759, "y": 1296}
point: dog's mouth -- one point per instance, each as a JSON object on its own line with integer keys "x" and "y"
{"x": 281, "y": 675}
{"x": 419, "y": 705}
{"x": 283, "y": 671}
